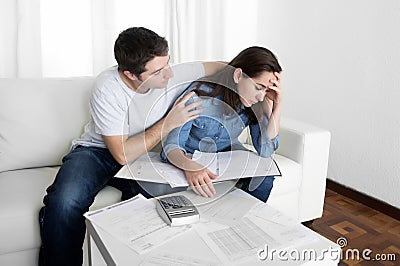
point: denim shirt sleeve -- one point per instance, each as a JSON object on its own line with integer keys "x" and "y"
{"x": 177, "y": 138}
{"x": 264, "y": 146}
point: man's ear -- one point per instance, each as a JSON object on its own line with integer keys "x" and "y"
{"x": 237, "y": 75}
{"x": 129, "y": 75}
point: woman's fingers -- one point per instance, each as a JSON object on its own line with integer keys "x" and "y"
{"x": 276, "y": 82}
{"x": 199, "y": 189}
{"x": 202, "y": 185}
{"x": 278, "y": 76}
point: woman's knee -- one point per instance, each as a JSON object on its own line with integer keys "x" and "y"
{"x": 268, "y": 182}
{"x": 260, "y": 187}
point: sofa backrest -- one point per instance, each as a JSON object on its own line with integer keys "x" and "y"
{"x": 39, "y": 118}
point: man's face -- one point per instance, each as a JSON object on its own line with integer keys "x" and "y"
{"x": 157, "y": 73}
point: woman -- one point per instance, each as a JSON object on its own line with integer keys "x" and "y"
{"x": 245, "y": 93}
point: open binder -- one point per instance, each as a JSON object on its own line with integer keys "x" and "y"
{"x": 227, "y": 165}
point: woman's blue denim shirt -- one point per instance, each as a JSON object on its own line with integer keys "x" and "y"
{"x": 215, "y": 131}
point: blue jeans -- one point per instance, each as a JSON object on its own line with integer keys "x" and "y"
{"x": 263, "y": 186}
{"x": 84, "y": 172}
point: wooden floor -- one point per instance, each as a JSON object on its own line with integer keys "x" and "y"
{"x": 360, "y": 228}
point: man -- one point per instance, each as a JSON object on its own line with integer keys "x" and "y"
{"x": 120, "y": 130}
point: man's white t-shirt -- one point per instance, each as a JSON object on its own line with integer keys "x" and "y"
{"x": 117, "y": 110}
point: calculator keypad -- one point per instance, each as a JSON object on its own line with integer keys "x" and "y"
{"x": 174, "y": 202}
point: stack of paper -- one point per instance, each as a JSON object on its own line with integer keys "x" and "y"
{"x": 136, "y": 223}
{"x": 227, "y": 165}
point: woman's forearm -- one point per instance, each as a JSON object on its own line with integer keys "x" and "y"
{"x": 180, "y": 160}
{"x": 274, "y": 122}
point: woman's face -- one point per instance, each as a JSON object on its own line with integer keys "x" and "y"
{"x": 252, "y": 90}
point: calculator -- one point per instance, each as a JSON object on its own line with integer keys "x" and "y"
{"x": 177, "y": 210}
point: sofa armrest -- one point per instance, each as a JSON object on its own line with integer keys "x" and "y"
{"x": 309, "y": 146}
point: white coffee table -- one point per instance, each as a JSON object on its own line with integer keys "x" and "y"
{"x": 182, "y": 249}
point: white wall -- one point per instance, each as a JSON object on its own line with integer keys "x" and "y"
{"x": 341, "y": 64}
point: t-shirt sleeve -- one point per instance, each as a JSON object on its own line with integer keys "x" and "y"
{"x": 186, "y": 73}
{"x": 108, "y": 115}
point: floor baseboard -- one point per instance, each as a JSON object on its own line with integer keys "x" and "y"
{"x": 369, "y": 201}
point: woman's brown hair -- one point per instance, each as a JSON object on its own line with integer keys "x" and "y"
{"x": 253, "y": 61}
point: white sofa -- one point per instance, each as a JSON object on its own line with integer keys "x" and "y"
{"x": 40, "y": 117}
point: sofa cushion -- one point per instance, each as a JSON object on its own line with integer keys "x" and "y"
{"x": 21, "y": 194}
{"x": 39, "y": 118}
{"x": 290, "y": 180}
{"x": 21, "y": 258}
{"x": 291, "y": 171}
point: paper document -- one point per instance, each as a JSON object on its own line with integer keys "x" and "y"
{"x": 235, "y": 243}
{"x": 168, "y": 259}
{"x": 150, "y": 168}
{"x": 228, "y": 209}
{"x": 237, "y": 164}
{"x": 221, "y": 188}
{"x": 285, "y": 230}
{"x": 228, "y": 165}
{"x": 296, "y": 236}
{"x": 270, "y": 214}
{"x": 136, "y": 223}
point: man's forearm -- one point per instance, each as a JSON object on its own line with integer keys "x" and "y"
{"x": 211, "y": 68}
{"x": 139, "y": 144}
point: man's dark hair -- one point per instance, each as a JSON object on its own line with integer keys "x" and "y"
{"x": 136, "y": 46}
